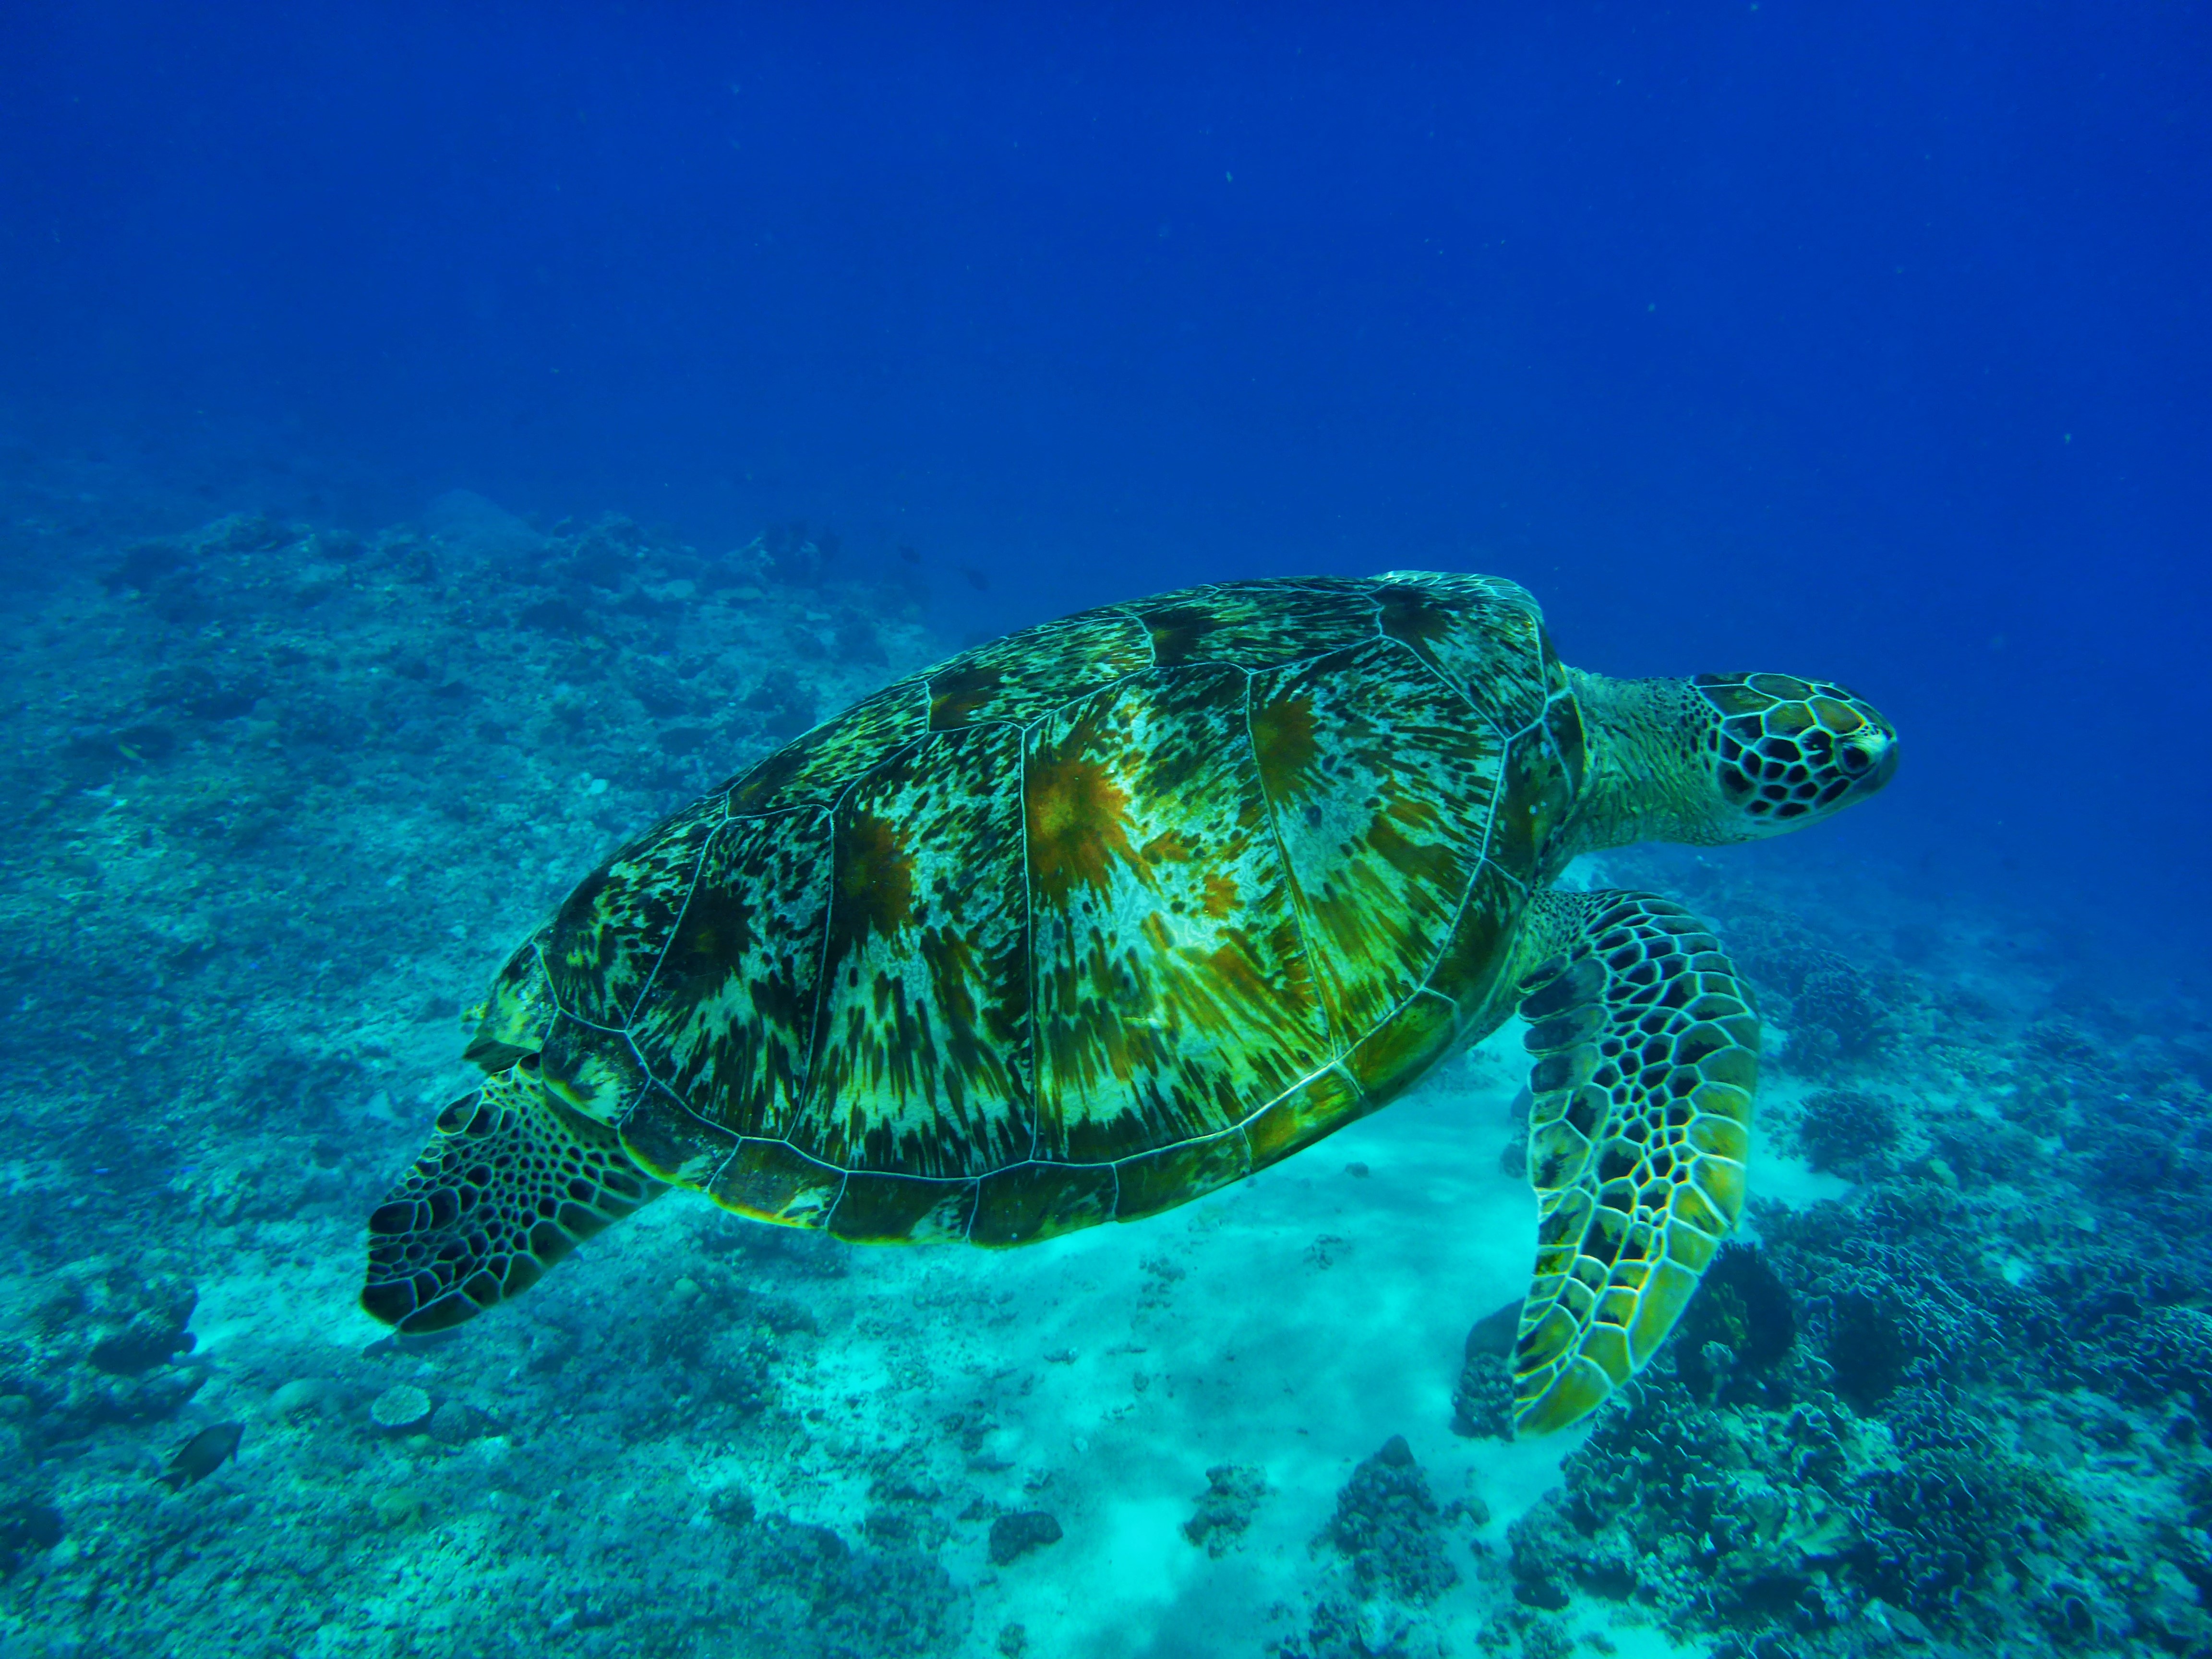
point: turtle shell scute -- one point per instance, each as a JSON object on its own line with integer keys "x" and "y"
{"x": 1081, "y": 923}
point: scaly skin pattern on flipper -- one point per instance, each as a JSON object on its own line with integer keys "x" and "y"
{"x": 1079, "y": 925}
{"x": 1647, "y": 1059}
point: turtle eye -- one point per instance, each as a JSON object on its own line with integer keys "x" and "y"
{"x": 1868, "y": 759}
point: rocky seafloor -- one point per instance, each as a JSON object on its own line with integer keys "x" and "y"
{"x": 284, "y": 795}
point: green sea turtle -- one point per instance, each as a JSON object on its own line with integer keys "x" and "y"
{"x": 1094, "y": 919}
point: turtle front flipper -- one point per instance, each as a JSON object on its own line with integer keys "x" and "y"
{"x": 1647, "y": 1057}
{"x": 511, "y": 1181}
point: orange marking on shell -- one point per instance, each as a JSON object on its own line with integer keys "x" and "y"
{"x": 1283, "y": 743}
{"x": 1428, "y": 863}
{"x": 1233, "y": 977}
{"x": 1172, "y": 847}
{"x": 1076, "y": 826}
{"x": 1220, "y": 895}
{"x": 875, "y": 883}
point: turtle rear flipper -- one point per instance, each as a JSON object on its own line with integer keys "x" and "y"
{"x": 1647, "y": 1056}
{"x": 511, "y": 1181}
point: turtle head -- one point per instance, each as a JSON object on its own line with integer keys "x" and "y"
{"x": 1784, "y": 751}
{"x": 1723, "y": 757}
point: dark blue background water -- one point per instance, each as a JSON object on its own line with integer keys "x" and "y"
{"x": 1863, "y": 341}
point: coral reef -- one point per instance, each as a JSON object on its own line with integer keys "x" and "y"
{"x": 1390, "y": 1529}
{"x": 98, "y": 1341}
{"x": 283, "y": 791}
{"x": 283, "y": 795}
{"x": 1224, "y": 1507}
{"x": 1391, "y": 1540}
{"x": 1828, "y": 1004}
{"x": 1013, "y": 1536}
{"x": 1847, "y": 1131}
{"x": 1482, "y": 1398}
{"x": 1961, "y": 1406}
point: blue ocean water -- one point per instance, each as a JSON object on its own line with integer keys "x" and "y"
{"x": 437, "y": 441}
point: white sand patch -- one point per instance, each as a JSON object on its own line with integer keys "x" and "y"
{"x": 291, "y": 1282}
{"x": 1787, "y": 1181}
{"x": 1291, "y": 1323}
